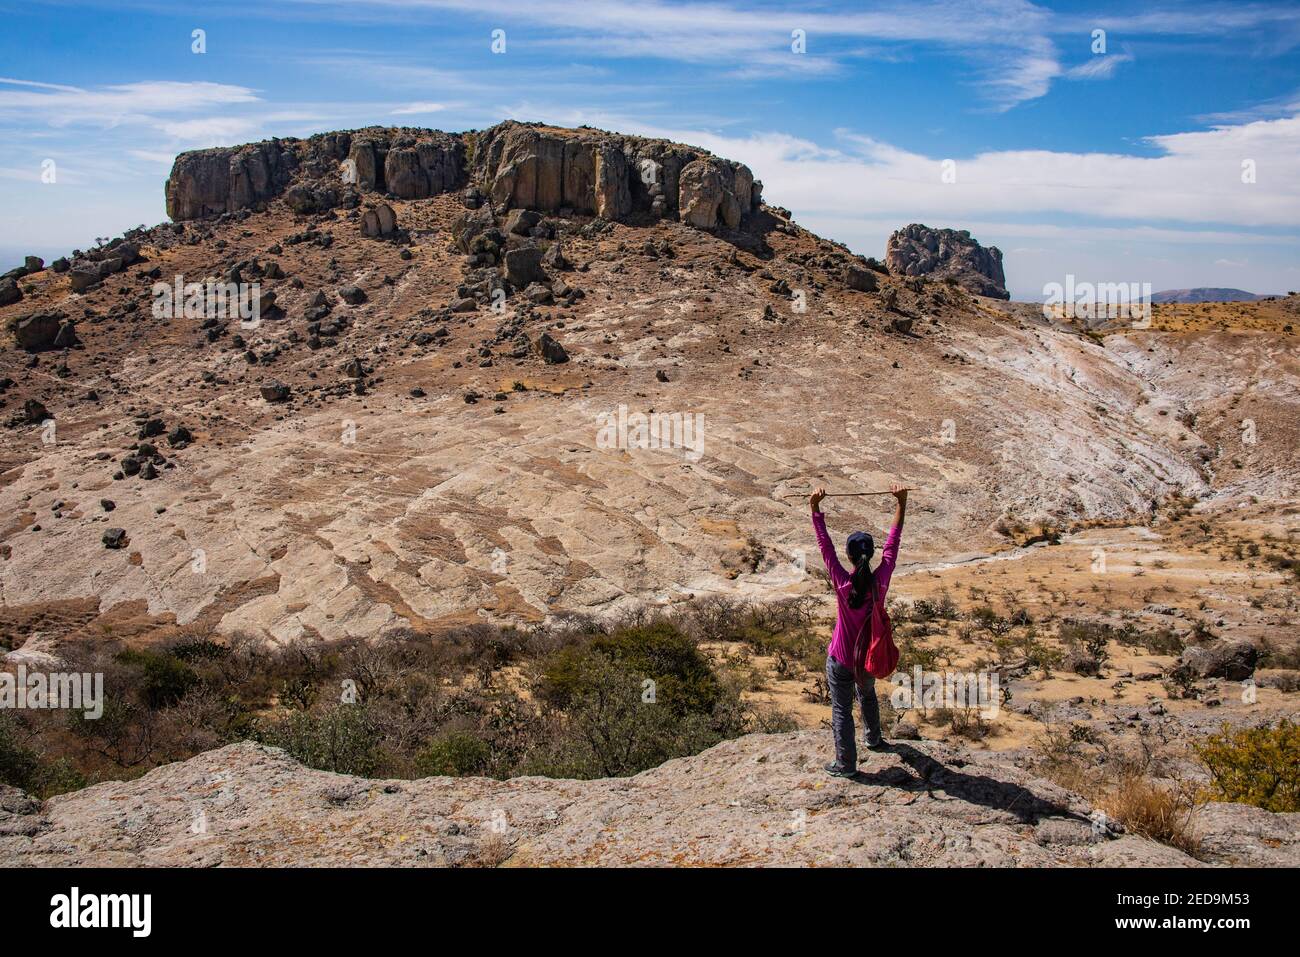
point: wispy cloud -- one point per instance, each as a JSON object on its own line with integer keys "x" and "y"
{"x": 1010, "y": 46}
{"x": 412, "y": 109}
{"x": 1099, "y": 67}
{"x": 1006, "y": 42}
{"x": 105, "y": 106}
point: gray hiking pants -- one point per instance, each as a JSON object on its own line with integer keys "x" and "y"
{"x": 844, "y": 689}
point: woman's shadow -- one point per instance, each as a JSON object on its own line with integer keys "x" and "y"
{"x": 932, "y": 774}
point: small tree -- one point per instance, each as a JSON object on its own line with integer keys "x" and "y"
{"x": 1257, "y": 766}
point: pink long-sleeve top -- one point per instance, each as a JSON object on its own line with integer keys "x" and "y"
{"x": 852, "y": 636}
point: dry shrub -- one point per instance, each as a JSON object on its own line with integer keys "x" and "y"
{"x": 1152, "y": 811}
{"x": 1136, "y": 786}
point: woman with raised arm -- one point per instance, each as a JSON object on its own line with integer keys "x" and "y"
{"x": 860, "y": 597}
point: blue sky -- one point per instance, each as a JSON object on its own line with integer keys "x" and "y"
{"x": 1120, "y": 166}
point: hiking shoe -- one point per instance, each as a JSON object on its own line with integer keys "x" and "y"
{"x": 880, "y": 744}
{"x": 835, "y": 769}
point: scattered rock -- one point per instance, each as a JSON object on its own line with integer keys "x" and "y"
{"x": 550, "y": 350}
{"x": 40, "y": 331}
{"x": 34, "y": 411}
{"x": 274, "y": 391}
{"x": 523, "y": 266}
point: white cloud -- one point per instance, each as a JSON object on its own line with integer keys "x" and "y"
{"x": 1006, "y": 41}
{"x": 114, "y": 105}
{"x": 212, "y": 130}
{"x": 1098, "y": 68}
{"x": 1195, "y": 180}
{"x": 418, "y": 108}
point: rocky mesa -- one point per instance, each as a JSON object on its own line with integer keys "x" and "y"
{"x": 517, "y": 166}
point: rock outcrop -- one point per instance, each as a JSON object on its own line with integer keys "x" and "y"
{"x": 612, "y": 176}
{"x": 756, "y": 800}
{"x": 918, "y": 250}
{"x": 221, "y": 180}
{"x": 515, "y": 165}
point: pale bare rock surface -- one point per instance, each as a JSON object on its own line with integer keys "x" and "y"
{"x": 350, "y": 506}
{"x": 757, "y": 800}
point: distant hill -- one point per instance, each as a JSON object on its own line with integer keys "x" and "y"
{"x": 1204, "y": 294}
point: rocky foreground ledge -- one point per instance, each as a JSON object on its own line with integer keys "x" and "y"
{"x": 757, "y": 800}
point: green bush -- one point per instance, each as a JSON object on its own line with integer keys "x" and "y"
{"x": 342, "y": 739}
{"x": 1257, "y": 766}
{"x": 423, "y": 707}
{"x": 1093, "y": 637}
{"x": 26, "y": 768}
{"x": 684, "y": 679}
{"x": 454, "y": 754}
{"x": 198, "y": 649}
{"x": 610, "y": 729}
{"x": 607, "y": 721}
{"x": 19, "y": 764}
{"x": 166, "y": 678}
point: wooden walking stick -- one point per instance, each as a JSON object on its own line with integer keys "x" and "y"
{"x": 846, "y": 494}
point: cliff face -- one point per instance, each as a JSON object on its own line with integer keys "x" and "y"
{"x": 918, "y": 250}
{"x": 209, "y": 182}
{"x": 757, "y": 800}
{"x": 516, "y": 165}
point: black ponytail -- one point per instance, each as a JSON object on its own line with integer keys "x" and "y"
{"x": 864, "y": 582}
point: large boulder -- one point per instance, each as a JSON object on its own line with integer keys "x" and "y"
{"x": 44, "y": 330}
{"x": 523, "y": 266}
{"x": 1234, "y": 660}
{"x": 379, "y": 221}
{"x": 918, "y": 250}
{"x": 273, "y": 390}
{"x": 715, "y": 193}
{"x": 84, "y": 277}
{"x": 860, "y": 278}
{"x": 9, "y": 292}
{"x": 551, "y": 350}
